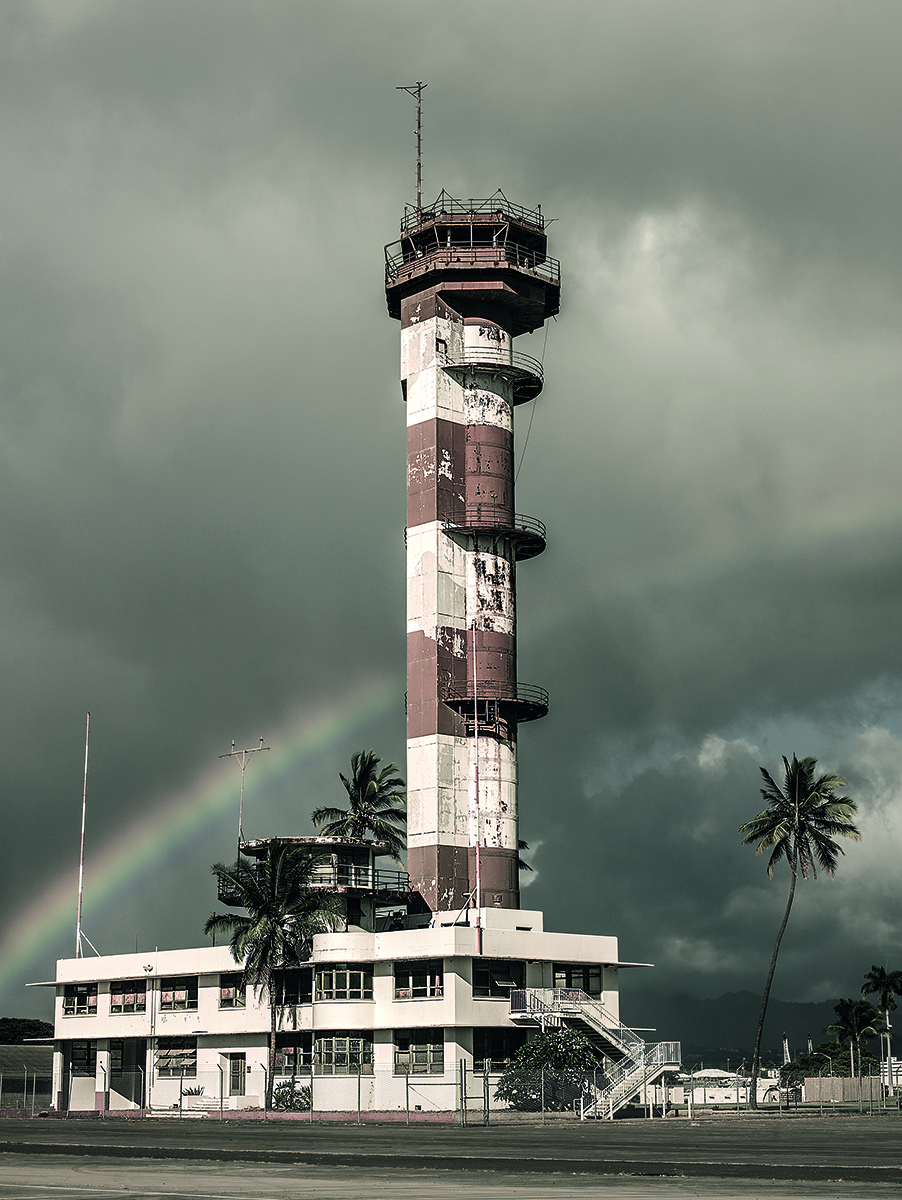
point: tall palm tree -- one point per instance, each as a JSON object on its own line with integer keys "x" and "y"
{"x": 855, "y": 1019}
{"x": 283, "y": 914}
{"x": 885, "y": 984}
{"x": 377, "y": 801}
{"x": 800, "y": 823}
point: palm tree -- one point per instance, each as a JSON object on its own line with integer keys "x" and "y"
{"x": 283, "y": 914}
{"x": 886, "y": 985}
{"x": 801, "y": 822}
{"x": 376, "y": 805}
{"x": 855, "y": 1019}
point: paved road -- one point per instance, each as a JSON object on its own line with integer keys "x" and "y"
{"x": 47, "y": 1177}
{"x": 766, "y": 1157}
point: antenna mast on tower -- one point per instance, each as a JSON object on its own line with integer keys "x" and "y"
{"x": 416, "y": 90}
{"x": 242, "y": 756}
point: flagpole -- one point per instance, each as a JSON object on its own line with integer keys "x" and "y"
{"x": 81, "y": 857}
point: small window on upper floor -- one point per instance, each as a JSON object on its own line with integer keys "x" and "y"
{"x": 128, "y": 996}
{"x": 419, "y": 979}
{"x": 583, "y": 977}
{"x": 178, "y": 992}
{"x": 231, "y": 990}
{"x": 495, "y": 979}
{"x": 292, "y": 985}
{"x": 345, "y": 981}
{"x": 80, "y": 1000}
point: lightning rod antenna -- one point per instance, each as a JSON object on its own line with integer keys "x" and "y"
{"x": 416, "y": 90}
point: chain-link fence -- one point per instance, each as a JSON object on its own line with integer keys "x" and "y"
{"x": 358, "y": 1093}
{"x": 546, "y": 1092}
{"x": 29, "y": 1091}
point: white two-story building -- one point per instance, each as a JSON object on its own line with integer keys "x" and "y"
{"x": 377, "y": 1020}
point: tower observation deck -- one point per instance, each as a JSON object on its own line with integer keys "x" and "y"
{"x": 465, "y": 278}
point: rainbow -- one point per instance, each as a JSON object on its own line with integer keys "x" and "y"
{"x": 171, "y": 823}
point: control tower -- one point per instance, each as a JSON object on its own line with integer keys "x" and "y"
{"x": 465, "y": 279}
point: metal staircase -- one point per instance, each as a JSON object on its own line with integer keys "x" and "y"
{"x": 631, "y": 1062}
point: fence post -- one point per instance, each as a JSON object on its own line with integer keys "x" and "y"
{"x": 542, "y": 1077}
{"x": 359, "y": 1069}
{"x": 25, "y": 1088}
{"x": 485, "y": 1092}
{"x": 407, "y": 1092}
{"x": 463, "y": 1092}
{"x": 265, "y": 1088}
{"x": 221, "y": 1088}
{"x": 143, "y": 1093}
{"x": 103, "y": 1093}
{"x": 1, "y": 1089}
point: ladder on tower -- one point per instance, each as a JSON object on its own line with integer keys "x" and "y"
{"x": 631, "y": 1063}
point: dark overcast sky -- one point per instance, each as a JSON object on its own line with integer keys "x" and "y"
{"x": 202, "y": 449}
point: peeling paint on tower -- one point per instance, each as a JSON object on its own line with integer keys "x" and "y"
{"x": 466, "y": 278}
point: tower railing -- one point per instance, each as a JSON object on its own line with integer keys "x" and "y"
{"x": 402, "y": 261}
{"x": 447, "y": 205}
{"x": 338, "y": 877}
{"x": 486, "y": 357}
{"x": 490, "y": 517}
{"x": 527, "y": 701}
{"x": 526, "y": 372}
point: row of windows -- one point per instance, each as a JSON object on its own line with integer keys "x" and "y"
{"x": 130, "y": 995}
{"x": 493, "y": 979}
{"x": 338, "y": 1052}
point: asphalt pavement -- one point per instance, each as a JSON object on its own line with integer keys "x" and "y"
{"x": 829, "y": 1153}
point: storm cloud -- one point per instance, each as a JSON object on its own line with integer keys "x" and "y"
{"x": 202, "y": 448}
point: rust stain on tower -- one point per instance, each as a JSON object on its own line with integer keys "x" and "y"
{"x": 465, "y": 279}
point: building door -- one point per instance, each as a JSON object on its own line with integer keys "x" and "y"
{"x": 237, "y": 1072}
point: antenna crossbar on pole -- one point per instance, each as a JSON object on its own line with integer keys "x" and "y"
{"x": 416, "y": 90}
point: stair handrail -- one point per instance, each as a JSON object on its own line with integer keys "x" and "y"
{"x": 555, "y": 1001}
{"x": 627, "y": 1075}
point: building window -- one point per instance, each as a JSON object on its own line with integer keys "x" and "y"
{"x": 343, "y": 1052}
{"x": 419, "y": 980}
{"x": 494, "y": 1048}
{"x": 419, "y": 1052}
{"x": 294, "y": 1053}
{"x": 495, "y": 979}
{"x": 83, "y": 1058}
{"x": 345, "y": 981}
{"x": 178, "y": 991}
{"x": 231, "y": 990}
{"x": 176, "y": 1056}
{"x": 583, "y": 977}
{"x": 292, "y": 986}
{"x": 80, "y": 1000}
{"x": 128, "y": 996}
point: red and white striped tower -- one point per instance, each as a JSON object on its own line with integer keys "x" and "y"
{"x": 465, "y": 279}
